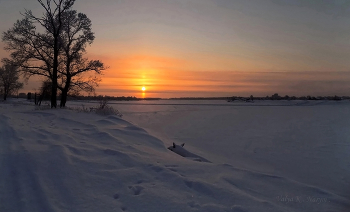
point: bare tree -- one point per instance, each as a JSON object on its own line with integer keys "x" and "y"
{"x": 58, "y": 53}
{"x": 9, "y": 77}
{"x": 77, "y": 73}
{"x": 38, "y": 53}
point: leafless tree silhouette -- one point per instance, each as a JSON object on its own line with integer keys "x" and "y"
{"x": 36, "y": 51}
{"x": 9, "y": 77}
{"x": 76, "y": 35}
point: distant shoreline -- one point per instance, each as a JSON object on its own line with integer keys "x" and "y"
{"x": 274, "y": 97}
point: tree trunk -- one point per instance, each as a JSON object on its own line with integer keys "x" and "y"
{"x": 65, "y": 92}
{"x": 54, "y": 74}
{"x": 6, "y": 92}
{"x": 63, "y": 98}
{"x": 54, "y": 92}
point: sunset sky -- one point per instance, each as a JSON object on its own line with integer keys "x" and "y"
{"x": 202, "y": 48}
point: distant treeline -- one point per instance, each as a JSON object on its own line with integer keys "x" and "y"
{"x": 199, "y": 98}
{"x": 233, "y": 98}
{"x": 99, "y": 97}
{"x": 272, "y": 97}
{"x": 286, "y": 97}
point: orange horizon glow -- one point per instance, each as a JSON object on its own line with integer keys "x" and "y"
{"x": 167, "y": 77}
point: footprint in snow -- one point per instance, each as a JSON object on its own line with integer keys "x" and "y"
{"x": 136, "y": 189}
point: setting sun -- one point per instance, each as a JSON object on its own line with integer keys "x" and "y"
{"x": 143, "y": 89}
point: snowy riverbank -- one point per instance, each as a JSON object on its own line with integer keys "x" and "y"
{"x": 271, "y": 158}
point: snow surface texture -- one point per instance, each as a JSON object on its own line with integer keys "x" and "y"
{"x": 272, "y": 158}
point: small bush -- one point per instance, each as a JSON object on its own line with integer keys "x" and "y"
{"x": 105, "y": 109}
{"x": 102, "y": 109}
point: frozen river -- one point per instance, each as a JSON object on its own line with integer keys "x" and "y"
{"x": 306, "y": 141}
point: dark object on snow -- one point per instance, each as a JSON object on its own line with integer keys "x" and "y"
{"x": 178, "y": 149}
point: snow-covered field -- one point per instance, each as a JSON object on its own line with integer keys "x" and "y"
{"x": 265, "y": 156}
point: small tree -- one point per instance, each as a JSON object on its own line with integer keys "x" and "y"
{"x": 9, "y": 83}
{"x": 45, "y": 89}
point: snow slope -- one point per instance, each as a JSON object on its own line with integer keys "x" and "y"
{"x": 61, "y": 160}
